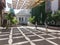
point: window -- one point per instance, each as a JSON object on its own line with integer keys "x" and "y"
{"x": 19, "y": 19}
{"x": 22, "y": 18}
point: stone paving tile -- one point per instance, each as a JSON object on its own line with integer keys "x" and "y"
{"x": 15, "y": 30}
{"x": 34, "y": 37}
{"x": 16, "y": 40}
{"x": 48, "y": 32}
{"x": 47, "y": 36}
{"x": 56, "y": 35}
{"x": 24, "y": 30}
{"x": 26, "y": 43}
{"x": 16, "y": 35}
{"x": 35, "y": 31}
{"x": 29, "y": 34}
{"x": 39, "y": 33}
{"x": 3, "y": 33}
{"x": 4, "y": 37}
{"x": 52, "y": 33}
{"x": 3, "y": 42}
{"x": 32, "y": 30}
{"x": 43, "y": 42}
{"x": 41, "y": 30}
{"x": 56, "y": 41}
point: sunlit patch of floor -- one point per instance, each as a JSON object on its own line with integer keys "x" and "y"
{"x": 28, "y": 36}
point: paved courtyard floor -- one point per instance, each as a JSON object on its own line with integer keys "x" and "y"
{"x": 28, "y": 36}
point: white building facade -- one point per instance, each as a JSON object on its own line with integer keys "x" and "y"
{"x": 54, "y": 5}
{"x": 23, "y": 16}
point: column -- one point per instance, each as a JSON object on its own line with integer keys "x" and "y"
{"x": 0, "y": 20}
{"x": 48, "y": 5}
{"x": 59, "y": 4}
{"x": 0, "y": 17}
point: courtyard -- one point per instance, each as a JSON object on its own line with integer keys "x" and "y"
{"x": 30, "y": 22}
{"x": 25, "y": 35}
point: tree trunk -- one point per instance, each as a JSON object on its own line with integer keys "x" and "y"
{"x": 0, "y": 17}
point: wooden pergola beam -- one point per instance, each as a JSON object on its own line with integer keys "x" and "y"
{"x": 37, "y": 3}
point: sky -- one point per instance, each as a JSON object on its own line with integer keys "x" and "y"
{"x": 9, "y": 1}
{"x": 7, "y": 9}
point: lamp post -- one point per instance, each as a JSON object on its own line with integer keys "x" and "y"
{"x": 46, "y": 26}
{"x": 36, "y": 25}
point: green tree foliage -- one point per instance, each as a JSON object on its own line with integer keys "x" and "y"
{"x": 31, "y": 19}
{"x": 39, "y": 13}
{"x": 49, "y": 16}
{"x": 56, "y": 16}
{"x": 11, "y": 17}
{"x": 42, "y": 9}
{"x": 53, "y": 17}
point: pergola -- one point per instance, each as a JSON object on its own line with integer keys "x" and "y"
{"x": 24, "y": 4}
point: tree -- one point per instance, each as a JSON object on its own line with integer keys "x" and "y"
{"x": 39, "y": 13}
{"x": 11, "y": 17}
{"x": 56, "y": 16}
{"x": 31, "y": 19}
{"x": 53, "y": 18}
{"x": 49, "y": 17}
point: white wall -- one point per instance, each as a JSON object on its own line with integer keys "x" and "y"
{"x": 25, "y": 14}
{"x": 54, "y": 5}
